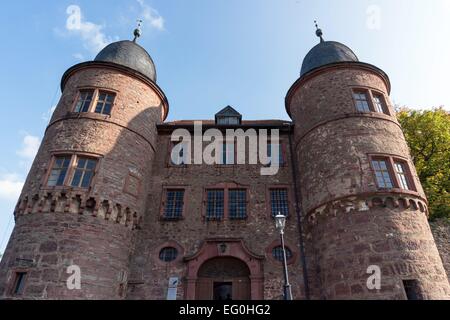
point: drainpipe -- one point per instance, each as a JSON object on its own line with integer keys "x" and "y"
{"x": 298, "y": 209}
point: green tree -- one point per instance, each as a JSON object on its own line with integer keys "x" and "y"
{"x": 428, "y": 135}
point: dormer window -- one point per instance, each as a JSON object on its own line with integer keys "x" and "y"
{"x": 228, "y": 116}
{"x": 228, "y": 120}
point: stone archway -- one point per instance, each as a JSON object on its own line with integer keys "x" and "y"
{"x": 227, "y": 266}
{"x": 223, "y": 278}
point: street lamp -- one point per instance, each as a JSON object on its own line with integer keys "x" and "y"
{"x": 280, "y": 222}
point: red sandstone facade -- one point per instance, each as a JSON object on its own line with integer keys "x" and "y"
{"x": 340, "y": 221}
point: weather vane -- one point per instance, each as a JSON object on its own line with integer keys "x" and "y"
{"x": 319, "y": 32}
{"x": 137, "y": 31}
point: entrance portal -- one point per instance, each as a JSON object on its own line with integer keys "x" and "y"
{"x": 223, "y": 290}
{"x": 223, "y": 279}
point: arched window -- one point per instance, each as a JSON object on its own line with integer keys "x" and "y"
{"x": 168, "y": 254}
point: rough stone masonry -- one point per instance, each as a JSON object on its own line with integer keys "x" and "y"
{"x": 104, "y": 195}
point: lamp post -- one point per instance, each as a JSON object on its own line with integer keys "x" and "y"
{"x": 280, "y": 222}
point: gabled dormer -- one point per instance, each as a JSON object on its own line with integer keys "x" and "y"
{"x": 228, "y": 116}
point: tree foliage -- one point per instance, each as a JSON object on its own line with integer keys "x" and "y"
{"x": 428, "y": 135}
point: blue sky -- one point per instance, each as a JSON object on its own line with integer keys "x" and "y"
{"x": 208, "y": 54}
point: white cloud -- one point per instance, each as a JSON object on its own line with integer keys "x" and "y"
{"x": 48, "y": 114}
{"x": 151, "y": 16}
{"x": 30, "y": 146}
{"x": 10, "y": 187}
{"x": 90, "y": 33}
{"x": 78, "y": 56}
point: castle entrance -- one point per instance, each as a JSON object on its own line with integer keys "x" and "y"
{"x": 224, "y": 269}
{"x": 223, "y": 279}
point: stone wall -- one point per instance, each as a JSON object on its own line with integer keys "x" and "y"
{"x": 441, "y": 234}
{"x": 149, "y": 276}
{"x": 353, "y": 223}
{"x": 92, "y": 227}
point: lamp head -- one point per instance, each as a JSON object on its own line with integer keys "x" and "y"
{"x": 280, "y": 222}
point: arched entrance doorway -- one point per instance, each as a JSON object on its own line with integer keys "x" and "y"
{"x": 224, "y": 268}
{"x": 224, "y": 278}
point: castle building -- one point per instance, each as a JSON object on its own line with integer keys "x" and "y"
{"x": 105, "y": 200}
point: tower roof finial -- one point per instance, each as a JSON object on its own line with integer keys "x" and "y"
{"x": 319, "y": 32}
{"x": 137, "y": 32}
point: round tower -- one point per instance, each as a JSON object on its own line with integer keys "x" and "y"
{"x": 85, "y": 193}
{"x": 364, "y": 210}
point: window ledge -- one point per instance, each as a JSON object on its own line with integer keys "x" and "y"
{"x": 166, "y": 219}
{"x": 65, "y": 188}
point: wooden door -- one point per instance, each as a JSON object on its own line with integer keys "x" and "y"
{"x": 204, "y": 289}
{"x": 241, "y": 289}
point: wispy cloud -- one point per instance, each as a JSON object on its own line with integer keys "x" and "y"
{"x": 10, "y": 187}
{"x": 29, "y": 148}
{"x": 78, "y": 56}
{"x": 92, "y": 35}
{"x": 11, "y": 184}
{"x": 151, "y": 16}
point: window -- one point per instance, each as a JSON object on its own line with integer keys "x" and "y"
{"x": 382, "y": 173}
{"x": 104, "y": 103}
{"x": 278, "y": 161}
{"x": 215, "y": 204}
{"x": 79, "y": 169}
{"x": 277, "y": 253}
{"x": 84, "y": 101}
{"x": 412, "y": 289}
{"x": 279, "y": 202}
{"x": 168, "y": 254}
{"x": 19, "y": 283}
{"x": 84, "y": 171}
{"x": 227, "y": 154}
{"x": 225, "y": 201}
{"x": 59, "y": 171}
{"x": 174, "y": 204}
{"x": 361, "y": 101}
{"x": 237, "y": 203}
{"x": 400, "y": 171}
{"x": 380, "y": 106}
{"x": 391, "y": 172}
{"x": 102, "y": 100}
{"x": 228, "y": 120}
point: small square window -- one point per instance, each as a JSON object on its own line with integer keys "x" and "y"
{"x": 215, "y": 204}
{"x": 380, "y": 106}
{"x": 174, "y": 204}
{"x": 279, "y": 203}
{"x": 382, "y": 174}
{"x": 105, "y": 102}
{"x": 237, "y": 205}
{"x": 59, "y": 171}
{"x": 84, "y": 101}
{"x": 84, "y": 171}
{"x": 400, "y": 171}
{"x": 361, "y": 101}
